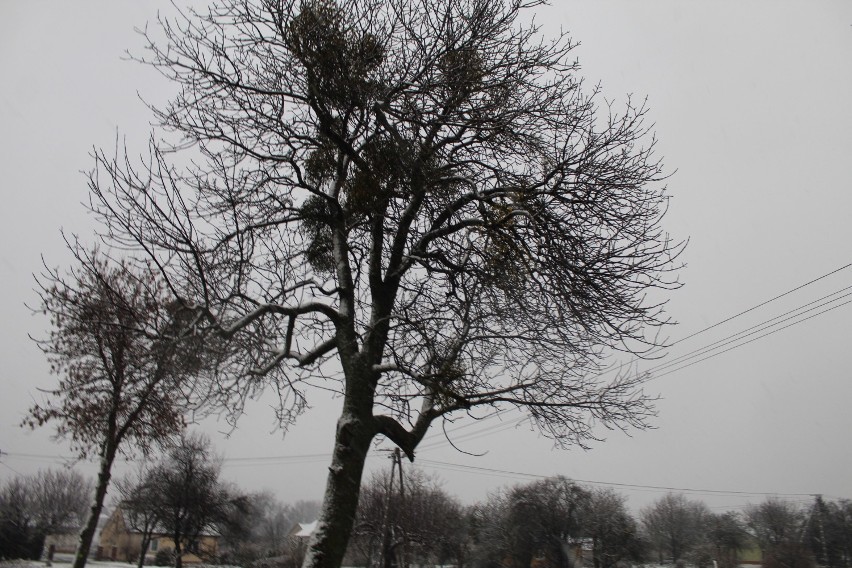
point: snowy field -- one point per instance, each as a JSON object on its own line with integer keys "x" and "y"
{"x": 62, "y": 562}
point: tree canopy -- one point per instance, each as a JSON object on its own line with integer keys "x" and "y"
{"x": 414, "y": 203}
{"x": 116, "y": 344}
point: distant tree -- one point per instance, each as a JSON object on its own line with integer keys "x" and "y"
{"x": 191, "y": 502}
{"x": 779, "y": 527}
{"x": 416, "y": 204}
{"x": 138, "y": 502}
{"x": 828, "y": 532}
{"x": 775, "y": 522}
{"x": 32, "y": 507}
{"x": 612, "y": 529}
{"x": 840, "y": 531}
{"x": 727, "y": 536}
{"x": 544, "y": 516}
{"x": 116, "y": 346}
{"x": 262, "y": 536}
{"x": 542, "y": 519}
{"x": 488, "y": 531}
{"x": 263, "y": 526}
{"x": 236, "y": 519}
{"x": 413, "y": 523}
{"x": 675, "y": 525}
{"x": 17, "y": 521}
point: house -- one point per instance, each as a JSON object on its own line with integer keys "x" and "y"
{"x": 120, "y": 542}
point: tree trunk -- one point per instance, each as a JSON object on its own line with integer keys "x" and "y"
{"x": 352, "y": 441}
{"x": 146, "y": 542}
{"x": 88, "y": 533}
{"x": 178, "y": 553}
{"x": 596, "y": 553}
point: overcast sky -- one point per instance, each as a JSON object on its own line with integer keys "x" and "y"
{"x": 753, "y": 109}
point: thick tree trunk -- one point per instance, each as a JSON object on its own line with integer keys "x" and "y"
{"x": 88, "y": 534}
{"x": 331, "y": 536}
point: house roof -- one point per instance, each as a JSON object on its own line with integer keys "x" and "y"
{"x": 304, "y": 530}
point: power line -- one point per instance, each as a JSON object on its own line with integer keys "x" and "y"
{"x": 489, "y": 471}
{"x": 274, "y": 460}
{"x": 752, "y": 340}
{"x": 760, "y": 305}
{"x": 481, "y": 470}
{"x": 6, "y": 465}
{"x": 756, "y": 329}
{"x": 677, "y": 362}
{"x": 779, "y": 319}
{"x": 49, "y": 457}
{"x": 712, "y": 346}
{"x": 12, "y": 469}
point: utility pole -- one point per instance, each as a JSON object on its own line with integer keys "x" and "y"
{"x": 403, "y": 536}
{"x": 385, "y": 554}
{"x": 819, "y": 508}
{"x": 393, "y": 533}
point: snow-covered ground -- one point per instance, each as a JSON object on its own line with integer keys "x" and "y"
{"x": 61, "y": 563}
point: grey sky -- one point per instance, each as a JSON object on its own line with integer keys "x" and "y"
{"x": 752, "y": 108}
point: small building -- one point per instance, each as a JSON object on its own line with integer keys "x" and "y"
{"x": 120, "y": 542}
{"x": 61, "y": 546}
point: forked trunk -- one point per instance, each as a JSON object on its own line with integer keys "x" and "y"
{"x": 329, "y": 540}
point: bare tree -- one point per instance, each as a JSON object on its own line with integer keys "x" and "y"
{"x": 268, "y": 523}
{"x": 779, "y": 528}
{"x": 114, "y": 345}
{"x": 675, "y": 525}
{"x": 138, "y": 499}
{"x": 190, "y": 500}
{"x": 775, "y": 522}
{"x": 415, "y": 203}
{"x": 611, "y": 528}
{"x": 727, "y": 536}
{"x": 830, "y": 532}
{"x": 488, "y": 531}
{"x": 542, "y": 519}
{"x": 406, "y": 518}
{"x": 34, "y": 506}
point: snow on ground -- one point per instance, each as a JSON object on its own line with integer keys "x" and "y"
{"x": 63, "y": 563}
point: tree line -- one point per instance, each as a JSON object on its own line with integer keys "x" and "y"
{"x": 557, "y": 523}
{"x": 409, "y": 520}
{"x": 405, "y": 518}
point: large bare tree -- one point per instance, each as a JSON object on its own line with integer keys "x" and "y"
{"x": 414, "y": 203}
{"x": 116, "y": 346}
